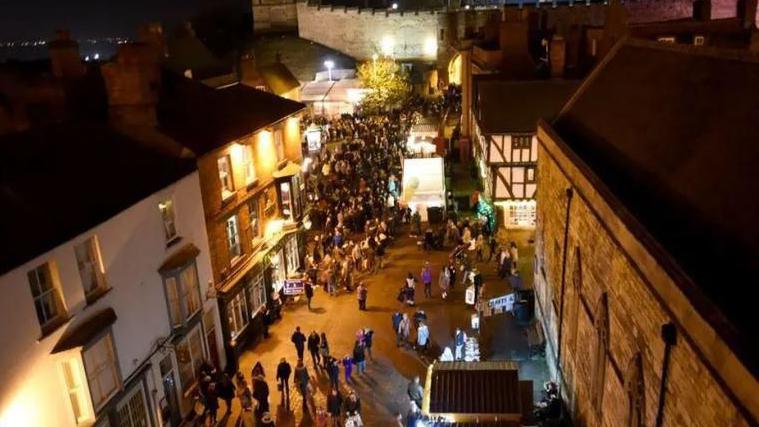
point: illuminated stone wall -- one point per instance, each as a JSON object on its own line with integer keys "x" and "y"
{"x": 274, "y": 15}
{"x": 640, "y": 299}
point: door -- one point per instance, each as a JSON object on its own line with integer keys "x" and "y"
{"x": 170, "y": 412}
{"x": 210, "y": 325}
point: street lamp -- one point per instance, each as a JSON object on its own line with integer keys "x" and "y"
{"x": 395, "y": 6}
{"x": 329, "y": 65}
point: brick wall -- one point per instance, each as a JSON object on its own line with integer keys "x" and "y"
{"x": 635, "y": 316}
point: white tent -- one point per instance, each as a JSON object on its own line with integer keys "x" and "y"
{"x": 423, "y": 184}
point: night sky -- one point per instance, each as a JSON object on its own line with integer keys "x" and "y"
{"x": 31, "y": 19}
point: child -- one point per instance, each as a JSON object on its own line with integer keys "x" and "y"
{"x": 348, "y": 365}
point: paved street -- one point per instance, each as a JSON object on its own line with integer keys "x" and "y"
{"x": 382, "y": 388}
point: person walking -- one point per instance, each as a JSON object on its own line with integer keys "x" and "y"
{"x": 283, "y": 378}
{"x": 397, "y": 317}
{"x": 313, "y": 342}
{"x": 323, "y": 349}
{"x": 362, "y": 293}
{"x": 333, "y": 371}
{"x": 348, "y": 368}
{"x": 309, "y": 291}
{"x": 301, "y": 379}
{"x": 422, "y": 337}
{"x": 459, "y": 341}
{"x": 444, "y": 282}
{"x": 359, "y": 357}
{"x": 227, "y": 391}
{"x": 258, "y": 370}
{"x": 352, "y": 407}
{"x": 427, "y": 279}
{"x": 244, "y": 394}
{"x": 493, "y": 247}
{"x": 404, "y": 329}
{"x": 334, "y": 406}
{"x": 415, "y": 391}
{"x": 299, "y": 340}
{"x": 212, "y": 402}
{"x": 368, "y": 336}
{"x": 261, "y": 394}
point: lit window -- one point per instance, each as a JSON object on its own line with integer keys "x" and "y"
{"x": 284, "y": 189}
{"x": 167, "y": 215}
{"x": 182, "y": 294}
{"x": 225, "y": 175}
{"x": 247, "y": 164}
{"x": 132, "y": 409}
{"x": 47, "y": 296}
{"x": 293, "y": 256}
{"x": 279, "y": 143}
{"x": 233, "y": 238}
{"x": 237, "y": 314}
{"x": 668, "y": 39}
{"x": 257, "y": 291}
{"x": 102, "y": 373}
{"x": 90, "y": 265}
{"x": 72, "y": 377}
{"x": 593, "y": 47}
{"x": 698, "y": 40}
{"x": 189, "y": 358}
{"x": 254, "y": 219}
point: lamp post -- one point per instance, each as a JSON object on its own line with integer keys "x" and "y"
{"x": 329, "y": 64}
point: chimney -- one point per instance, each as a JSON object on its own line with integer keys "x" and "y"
{"x": 152, "y": 35}
{"x": 702, "y": 10}
{"x": 249, "y": 70}
{"x": 558, "y": 55}
{"x": 64, "y": 56}
{"x": 747, "y": 13}
{"x": 132, "y": 83}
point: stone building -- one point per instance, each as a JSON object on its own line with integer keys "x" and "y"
{"x": 271, "y": 16}
{"x": 646, "y": 241}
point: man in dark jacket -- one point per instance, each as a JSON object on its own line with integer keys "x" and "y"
{"x": 309, "y": 291}
{"x": 396, "y": 322}
{"x": 301, "y": 379}
{"x": 226, "y": 391}
{"x": 283, "y": 378}
{"x": 261, "y": 394}
{"x": 352, "y": 404}
{"x": 368, "y": 335}
{"x": 334, "y": 405}
{"x": 313, "y": 348}
{"x": 359, "y": 357}
{"x": 299, "y": 340}
{"x": 333, "y": 370}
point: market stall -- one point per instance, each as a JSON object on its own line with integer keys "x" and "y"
{"x": 423, "y": 184}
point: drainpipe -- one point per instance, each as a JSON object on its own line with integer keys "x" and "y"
{"x": 560, "y": 374}
{"x": 669, "y": 336}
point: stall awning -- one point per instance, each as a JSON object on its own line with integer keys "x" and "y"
{"x": 290, "y": 169}
{"x": 179, "y": 258}
{"x": 82, "y": 334}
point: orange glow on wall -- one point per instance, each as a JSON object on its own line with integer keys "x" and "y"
{"x": 266, "y": 152}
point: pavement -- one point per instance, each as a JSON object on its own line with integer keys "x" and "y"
{"x": 382, "y": 389}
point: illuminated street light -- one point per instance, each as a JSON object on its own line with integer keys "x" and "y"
{"x": 329, "y": 64}
{"x": 395, "y": 6}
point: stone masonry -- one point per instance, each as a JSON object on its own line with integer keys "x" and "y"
{"x": 596, "y": 265}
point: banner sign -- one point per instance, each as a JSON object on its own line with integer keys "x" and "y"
{"x": 504, "y": 303}
{"x": 293, "y": 287}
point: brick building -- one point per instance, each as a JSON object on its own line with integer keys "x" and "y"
{"x": 646, "y": 239}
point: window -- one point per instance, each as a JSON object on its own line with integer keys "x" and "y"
{"x": 72, "y": 377}
{"x": 593, "y": 46}
{"x": 599, "y": 353}
{"x": 293, "y": 256}
{"x": 237, "y": 314}
{"x": 279, "y": 144}
{"x": 47, "y": 296}
{"x": 635, "y": 392}
{"x": 190, "y": 357}
{"x": 521, "y": 142}
{"x": 133, "y": 409}
{"x": 183, "y": 294}
{"x": 442, "y": 34}
{"x": 698, "y": 40}
{"x": 247, "y": 164}
{"x": 257, "y": 294}
{"x": 233, "y": 238}
{"x": 530, "y": 175}
{"x": 90, "y": 266}
{"x": 167, "y": 215}
{"x": 284, "y": 189}
{"x": 254, "y": 221}
{"x": 225, "y": 175}
{"x": 668, "y": 39}
{"x": 102, "y": 373}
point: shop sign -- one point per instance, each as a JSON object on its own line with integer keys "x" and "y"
{"x": 504, "y": 303}
{"x": 293, "y": 287}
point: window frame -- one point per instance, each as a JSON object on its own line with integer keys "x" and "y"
{"x": 164, "y": 206}
{"x": 254, "y": 214}
{"x": 55, "y": 290}
{"x": 72, "y": 369}
{"x": 248, "y": 164}
{"x": 279, "y": 144}
{"x": 96, "y": 261}
{"x": 233, "y": 240}
{"x": 226, "y": 176}
{"x": 176, "y": 289}
{"x": 237, "y": 307}
{"x": 257, "y": 294}
{"x": 126, "y": 402}
{"x": 194, "y": 364}
{"x": 115, "y": 365}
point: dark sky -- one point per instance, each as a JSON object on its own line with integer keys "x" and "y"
{"x": 29, "y": 19}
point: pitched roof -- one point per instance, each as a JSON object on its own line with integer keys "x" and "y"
{"x": 279, "y": 78}
{"x": 507, "y": 106}
{"x": 204, "y": 119}
{"x": 474, "y": 388}
{"x": 59, "y": 181}
{"x": 672, "y": 132}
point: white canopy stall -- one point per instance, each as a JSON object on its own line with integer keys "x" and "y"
{"x": 423, "y": 184}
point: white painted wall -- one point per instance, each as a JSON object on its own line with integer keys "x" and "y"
{"x": 32, "y": 391}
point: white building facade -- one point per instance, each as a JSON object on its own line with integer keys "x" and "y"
{"x": 109, "y": 328}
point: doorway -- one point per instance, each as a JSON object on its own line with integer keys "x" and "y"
{"x": 170, "y": 412}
